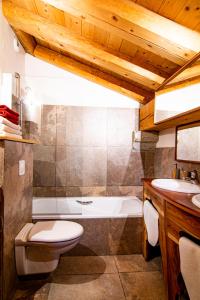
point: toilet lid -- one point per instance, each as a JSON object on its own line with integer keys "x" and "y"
{"x": 55, "y": 231}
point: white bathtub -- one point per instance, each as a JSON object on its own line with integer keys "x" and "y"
{"x": 100, "y": 207}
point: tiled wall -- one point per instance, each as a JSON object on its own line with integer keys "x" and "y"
{"x": 16, "y": 196}
{"x": 88, "y": 151}
{"x": 165, "y": 163}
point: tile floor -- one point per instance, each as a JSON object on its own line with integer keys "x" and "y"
{"x": 122, "y": 277}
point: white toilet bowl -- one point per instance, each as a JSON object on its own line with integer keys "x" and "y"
{"x": 38, "y": 246}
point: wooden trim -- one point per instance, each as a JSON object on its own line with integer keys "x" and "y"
{"x": 185, "y": 66}
{"x": 189, "y": 125}
{"x": 27, "y": 41}
{"x": 62, "y": 38}
{"x": 90, "y": 73}
{"x": 136, "y": 24}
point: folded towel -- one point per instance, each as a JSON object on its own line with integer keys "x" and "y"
{"x": 12, "y": 118}
{"x": 6, "y": 108}
{"x": 11, "y": 135}
{"x": 8, "y": 123}
{"x": 151, "y": 218}
{"x": 9, "y": 129}
{"x": 190, "y": 266}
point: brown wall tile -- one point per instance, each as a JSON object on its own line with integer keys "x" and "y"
{"x": 86, "y": 126}
{"x": 125, "y": 167}
{"x": 165, "y": 163}
{"x": 86, "y": 166}
{"x": 120, "y": 125}
{"x": 61, "y": 171}
{"x": 91, "y": 147}
{"x": 17, "y": 191}
{"x": 48, "y": 125}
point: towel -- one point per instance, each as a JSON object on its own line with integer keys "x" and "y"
{"x": 6, "y": 108}
{"x": 151, "y": 218}
{"x": 9, "y": 129}
{"x": 8, "y": 123}
{"x": 11, "y": 117}
{"x": 190, "y": 266}
{"x": 11, "y": 135}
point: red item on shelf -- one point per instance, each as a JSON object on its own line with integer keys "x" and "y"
{"x": 6, "y": 108}
{"x": 12, "y": 118}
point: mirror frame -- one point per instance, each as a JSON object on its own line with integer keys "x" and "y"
{"x": 185, "y": 126}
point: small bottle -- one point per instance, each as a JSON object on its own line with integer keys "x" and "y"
{"x": 176, "y": 172}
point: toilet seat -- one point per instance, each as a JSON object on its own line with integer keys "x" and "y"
{"x": 55, "y": 231}
{"x": 38, "y": 246}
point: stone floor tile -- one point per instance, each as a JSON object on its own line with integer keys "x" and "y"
{"x": 143, "y": 285}
{"x": 136, "y": 263}
{"x": 32, "y": 291}
{"x": 86, "y": 287}
{"x": 70, "y": 265}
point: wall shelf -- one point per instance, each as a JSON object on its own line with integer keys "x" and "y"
{"x": 18, "y": 140}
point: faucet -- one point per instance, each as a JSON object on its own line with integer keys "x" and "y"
{"x": 194, "y": 177}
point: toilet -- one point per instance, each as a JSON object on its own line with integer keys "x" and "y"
{"x": 38, "y": 246}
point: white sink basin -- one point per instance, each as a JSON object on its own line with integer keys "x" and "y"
{"x": 176, "y": 185}
{"x": 196, "y": 200}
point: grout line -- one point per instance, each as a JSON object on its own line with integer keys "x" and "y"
{"x": 115, "y": 260}
{"x": 122, "y": 286}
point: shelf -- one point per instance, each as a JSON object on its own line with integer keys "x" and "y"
{"x": 7, "y": 138}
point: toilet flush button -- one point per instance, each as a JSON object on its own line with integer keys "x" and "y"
{"x": 21, "y": 167}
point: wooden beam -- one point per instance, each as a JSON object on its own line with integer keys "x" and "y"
{"x": 62, "y": 38}
{"x": 187, "y": 74}
{"x": 178, "y": 85}
{"x": 27, "y": 41}
{"x": 136, "y": 24}
{"x": 179, "y": 71}
{"x": 90, "y": 73}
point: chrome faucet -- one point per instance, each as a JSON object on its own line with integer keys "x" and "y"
{"x": 194, "y": 177}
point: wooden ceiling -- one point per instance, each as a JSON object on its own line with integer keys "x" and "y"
{"x": 131, "y": 46}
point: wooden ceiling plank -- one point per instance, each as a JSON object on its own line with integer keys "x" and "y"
{"x": 48, "y": 11}
{"x": 114, "y": 42}
{"x": 28, "y": 4}
{"x": 149, "y": 4}
{"x": 90, "y": 73}
{"x": 27, "y": 41}
{"x": 138, "y": 25}
{"x": 62, "y": 38}
{"x": 189, "y": 15}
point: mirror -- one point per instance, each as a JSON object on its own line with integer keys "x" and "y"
{"x": 188, "y": 142}
{"x": 180, "y": 95}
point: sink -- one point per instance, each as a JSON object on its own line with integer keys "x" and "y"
{"x": 176, "y": 185}
{"x": 196, "y": 200}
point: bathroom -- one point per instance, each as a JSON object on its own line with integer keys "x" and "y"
{"x": 99, "y": 150}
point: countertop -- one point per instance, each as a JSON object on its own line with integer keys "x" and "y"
{"x": 181, "y": 200}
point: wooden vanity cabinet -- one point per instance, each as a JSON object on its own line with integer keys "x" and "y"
{"x": 177, "y": 217}
{"x": 178, "y": 223}
{"x": 159, "y": 203}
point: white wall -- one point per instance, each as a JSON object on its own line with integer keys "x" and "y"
{"x": 10, "y": 61}
{"x": 52, "y": 85}
{"x": 166, "y": 138}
